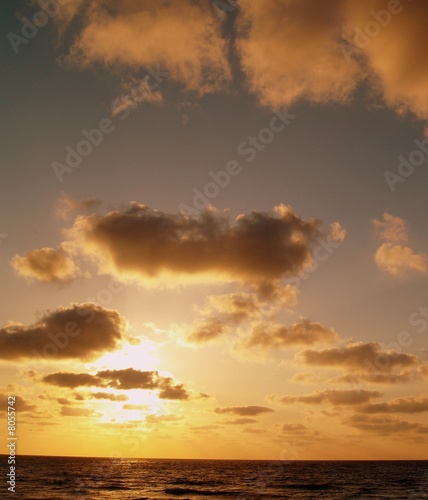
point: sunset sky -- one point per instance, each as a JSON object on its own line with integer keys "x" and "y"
{"x": 213, "y": 235}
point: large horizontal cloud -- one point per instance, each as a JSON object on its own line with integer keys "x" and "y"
{"x": 184, "y": 38}
{"x": 148, "y": 244}
{"x": 369, "y": 357}
{"x": 277, "y": 336}
{"x": 384, "y": 425}
{"x": 46, "y": 264}
{"x": 80, "y": 331}
{"x": 121, "y": 379}
{"x": 244, "y": 411}
{"x": 408, "y": 404}
{"x": 332, "y": 396}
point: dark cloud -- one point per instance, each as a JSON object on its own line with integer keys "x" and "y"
{"x": 121, "y": 379}
{"x": 149, "y": 244}
{"x": 66, "y": 411}
{"x": 384, "y": 425}
{"x": 240, "y": 421}
{"x": 370, "y": 357}
{"x": 408, "y": 404}
{"x": 332, "y": 396}
{"x": 21, "y": 405}
{"x": 243, "y": 411}
{"x": 278, "y": 336}
{"x": 109, "y": 396}
{"x": 80, "y": 331}
{"x": 295, "y": 428}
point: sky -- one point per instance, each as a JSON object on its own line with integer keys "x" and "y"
{"x": 213, "y": 230}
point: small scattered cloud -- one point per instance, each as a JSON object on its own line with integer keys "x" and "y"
{"x": 244, "y": 411}
{"x": 399, "y": 261}
{"x": 66, "y": 411}
{"x": 391, "y": 256}
{"x": 51, "y": 265}
{"x": 392, "y": 229}
{"x": 66, "y": 206}
{"x": 277, "y": 336}
{"x": 332, "y": 396}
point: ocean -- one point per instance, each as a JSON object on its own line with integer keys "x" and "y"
{"x": 137, "y": 479}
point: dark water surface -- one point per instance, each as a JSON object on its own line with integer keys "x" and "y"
{"x": 136, "y": 479}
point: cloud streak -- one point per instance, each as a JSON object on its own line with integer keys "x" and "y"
{"x": 121, "y": 379}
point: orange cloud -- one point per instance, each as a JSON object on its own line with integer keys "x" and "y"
{"x": 278, "y": 336}
{"x": 332, "y": 396}
{"x": 399, "y": 261}
{"x": 46, "y": 264}
{"x": 184, "y": 38}
{"x": 290, "y": 50}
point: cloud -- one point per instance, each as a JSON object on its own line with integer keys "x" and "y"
{"x": 325, "y": 50}
{"x": 157, "y": 419}
{"x": 109, "y": 396}
{"x": 423, "y": 372}
{"x": 395, "y": 57}
{"x": 332, "y": 396}
{"x": 67, "y": 206}
{"x": 277, "y": 336}
{"x": 21, "y": 405}
{"x": 244, "y": 411}
{"x": 398, "y": 260}
{"x": 134, "y": 94}
{"x": 391, "y": 257}
{"x": 222, "y": 312}
{"x": 184, "y": 38}
{"x": 126, "y": 379}
{"x": 66, "y": 411}
{"x": 387, "y": 378}
{"x": 367, "y": 357}
{"x": 46, "y": 264}
{"x": 392, "y": 229}
{"x": 305, "y": 37}
{"x": 240, "y": 421}
{"x": 384, "y": 425}
{"x": 408, "y": 404}
{"x": 143, "y": 243}
{"x": 206, "y": 331}
{"x": 80, "y": 331}
{"x": 294, "y": 428}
